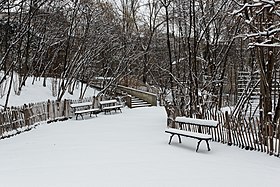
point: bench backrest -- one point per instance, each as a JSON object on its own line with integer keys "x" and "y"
{"x": 76, "y": 105}
{"x": 200, "y": 122}
{"x": 113, "y": 101}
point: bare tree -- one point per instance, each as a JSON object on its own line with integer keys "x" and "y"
{"x": 262, "y": 20}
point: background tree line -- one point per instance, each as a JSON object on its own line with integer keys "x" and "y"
{"x": 192, "y": 51}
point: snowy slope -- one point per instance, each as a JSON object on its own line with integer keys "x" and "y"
{"x": 32, "y": 93}
{"x": 126, "y": 149}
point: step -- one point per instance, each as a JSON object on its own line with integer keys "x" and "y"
{"x": 140, "y": 105}
{"x": 137, "y": 102}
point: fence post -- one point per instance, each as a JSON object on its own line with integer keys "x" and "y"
{"x": 228, "y": 128}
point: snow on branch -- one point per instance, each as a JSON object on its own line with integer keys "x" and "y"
{"x": 264, "y": 33}
{"x": 245, "y": 6}
{"x": 257, "y": 4}
{"x": 262, "y": 17}
{"x": 252, "y": 45}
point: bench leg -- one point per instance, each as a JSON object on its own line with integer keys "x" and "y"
{"x": 198, "y": 143}
{"x": 80, "y": 115}
{"x": 207, "y": 143}
{"x": 170, "y": 139}
{"x": 179, "y": 137}
{"x": 92, "y": 113}
{"x": 208, "y": 147}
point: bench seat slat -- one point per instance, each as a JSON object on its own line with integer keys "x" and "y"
{"x": 189, "y": 134}
{"x": 112, "y": 107}
{"x": 88, "y": 110}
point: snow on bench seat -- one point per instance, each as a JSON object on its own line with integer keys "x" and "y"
{"x": 110, "y": 108}
{"x": 196, "y": 135}
{"x": 75, "y": 105}
{"x": 200, "y": 122}
{"x": 90, "y": 111}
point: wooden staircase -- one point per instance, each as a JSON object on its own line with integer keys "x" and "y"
{"x": 137, "y": 102}
{"x": 136, "y": 98}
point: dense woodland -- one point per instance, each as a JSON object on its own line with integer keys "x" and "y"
{"x": 192, "y": 51}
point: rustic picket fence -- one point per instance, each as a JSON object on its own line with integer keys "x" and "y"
{"x": 15, "y": 120}
{"x": 246, "y": 133}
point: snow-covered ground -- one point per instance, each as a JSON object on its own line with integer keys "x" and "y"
{"x": 126, "y": 149}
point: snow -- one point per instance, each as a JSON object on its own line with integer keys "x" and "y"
{"x": 188, "y": 133}
{"x": 76, "y": 105}
{"x": 108, "y": 102}
{"x": 126, "y": 149}
{"x": 30, "y": 94}
{"x": 203, "y": 122}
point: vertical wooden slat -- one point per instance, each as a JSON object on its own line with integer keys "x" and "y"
{"x": 228, "y": 128}
{"x": 261, "y": 138}
{"x": 278, "y": 138}
{"x": 247, "y": 134}
{"x": 253, "y": 139}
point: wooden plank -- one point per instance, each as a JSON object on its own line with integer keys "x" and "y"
{"x": 277, "y": 138}
{"x": 229, "y": 142}
{"x": 189, "y": 134}
{"x": 243, "y": 134}
{"x": 252, "y": 134}
{"x": 261, "y": 141}
{"x": 255, "y": 129}
{"x": 241, "y": 142}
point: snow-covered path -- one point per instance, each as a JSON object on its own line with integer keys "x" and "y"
{"x": 126, "y": 149}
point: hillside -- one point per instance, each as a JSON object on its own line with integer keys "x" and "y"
{"x": 32, "y": 93}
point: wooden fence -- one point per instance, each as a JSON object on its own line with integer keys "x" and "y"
{"x": 245, "y": 133}
{"x": 23, "y": 118}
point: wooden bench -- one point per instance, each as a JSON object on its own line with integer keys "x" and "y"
{"x": 108, "y": 105}
{"x": 196, "y": 135}
{"x": 110, "y": 108}
{"x": 84, "y": 108}
{"x": 76, "y": 106}
{"x": 91, "y": 111}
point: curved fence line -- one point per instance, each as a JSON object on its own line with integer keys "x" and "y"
{"x": 19, "y": 119}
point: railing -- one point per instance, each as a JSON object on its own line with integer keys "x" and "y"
{"x": 146, "y": 96}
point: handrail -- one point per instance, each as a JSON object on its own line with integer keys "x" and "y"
{"x": 146, "y": 96}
